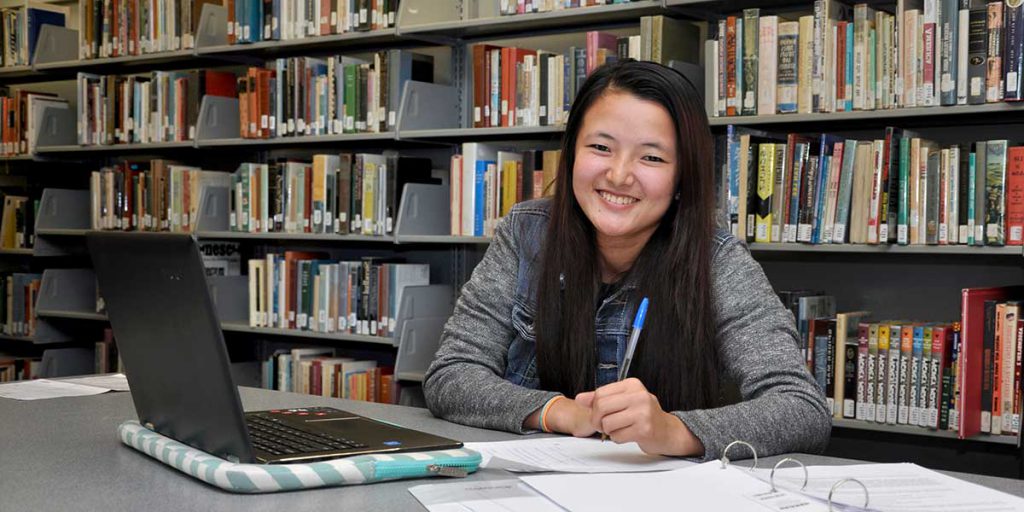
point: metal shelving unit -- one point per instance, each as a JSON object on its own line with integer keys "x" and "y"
{"x": 295, "y": 333}
{"x": 882, "y": 116}
{"x": 886, "y": 249}
{"x": 919, "y": 431}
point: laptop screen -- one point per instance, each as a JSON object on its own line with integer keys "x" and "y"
{"x": 170, "y": 339}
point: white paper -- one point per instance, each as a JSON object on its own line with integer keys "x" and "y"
{"x": 112, "y": 382}
{"x": 482, "y": 496}
{"x": 571, "y": 455}
{"x": 44, "y": 388}
{"x": 897, "y": 487}
{"x": 701, "y": 487}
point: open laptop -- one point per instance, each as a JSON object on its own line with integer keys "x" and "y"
{"x": 170, "y": 340}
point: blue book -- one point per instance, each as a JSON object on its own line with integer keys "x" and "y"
{"x": 916, "y": 376}
{"x": 848, "y": 79}
{"x": 480, "y": 196}
{"x": 36, "y": 19}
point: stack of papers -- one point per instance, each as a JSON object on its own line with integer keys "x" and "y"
{"x": 45, "y": 388}
{"x": 596, "y": 476}
{"x": 571, "y": 455}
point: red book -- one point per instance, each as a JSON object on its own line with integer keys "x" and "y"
{"x": 731, "y": 93}
{"x": 972, "y": 318}
{"x": 481, "y": 81}
{"x": 1015, "y": 195}
{"x": 840, "y": 73}
{"x": 597, "y": 40}
{"x": 219, "y": 83}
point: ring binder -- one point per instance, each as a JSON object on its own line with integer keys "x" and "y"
{"x": 839, "y": 484}
{"x": 725, "y": 453}
{"x": 771, "y": 479}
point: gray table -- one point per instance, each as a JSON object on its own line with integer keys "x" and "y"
{"x": 64, "y": 454}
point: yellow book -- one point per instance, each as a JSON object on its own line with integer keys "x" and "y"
{"x": 319, "y": 190}
{"x": 765, "y": 187}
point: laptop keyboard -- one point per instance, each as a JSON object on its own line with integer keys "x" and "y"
{"x": 270, "y": 435}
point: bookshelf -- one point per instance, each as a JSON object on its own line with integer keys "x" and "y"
{"x": 434, "y": 118}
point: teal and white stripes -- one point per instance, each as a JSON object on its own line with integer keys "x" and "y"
{"x": 258, "y": 478}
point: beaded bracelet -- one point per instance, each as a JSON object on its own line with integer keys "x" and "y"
{"x": 544, "y": 413}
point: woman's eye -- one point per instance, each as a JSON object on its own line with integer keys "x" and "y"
{"x": 600, "y": 147}
{"x": 653, "y": 158}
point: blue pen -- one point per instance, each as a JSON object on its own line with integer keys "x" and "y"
{"x": 638, "y": 325}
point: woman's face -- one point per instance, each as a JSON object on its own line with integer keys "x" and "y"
{"x": 624, "y": 176}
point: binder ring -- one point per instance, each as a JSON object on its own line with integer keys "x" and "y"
{"x": 725, "y": 453}
{"x": 843, "y": 481}
{"x": 783, "y": 461}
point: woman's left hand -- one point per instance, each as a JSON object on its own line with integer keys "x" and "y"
{"x": 627, "y": 412}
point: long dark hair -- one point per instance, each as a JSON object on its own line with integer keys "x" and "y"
{"x": 676, "y": 357}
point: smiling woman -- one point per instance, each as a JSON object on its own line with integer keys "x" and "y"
{"x": 541, "y": 328}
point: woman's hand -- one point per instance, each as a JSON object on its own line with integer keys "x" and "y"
{"x": 627, "y": 412}
{"x": 566, "y": 416}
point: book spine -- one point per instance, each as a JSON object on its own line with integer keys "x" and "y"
{"x": 994, "y": 70}
{"x": 995, "y": 192}
{"x": 1014, "y": 62}
{"x": 977, "y": 55}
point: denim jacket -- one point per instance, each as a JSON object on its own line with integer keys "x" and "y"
{"x": 485, "y": 375}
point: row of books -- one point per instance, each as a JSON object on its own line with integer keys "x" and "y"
{"x": 19, "y": 368}
{"x": 153, "y": 195}
{"x": 22, "y": 111}
{"x": 927, "y": 53}
{"x": 309, "y": 292}
{"x": 901, "y": 189}
{"x": 252, "y": 21}
{"x": 529, "y": 87}
{"x": 963, "y": 376}
{"x": 20, "y": 292}
{"x": 331, "y": 95}
{"x": 18, "y": 221}
{"x": 513, "y": 7}
{"x": 117, "y": 28}
{"x": 162, "y": 106}
{"x": 340, "y": 193}
{"x": 20, "y": 25}
{"x": 318, "y": 371}
{"x": 487, "y": 180}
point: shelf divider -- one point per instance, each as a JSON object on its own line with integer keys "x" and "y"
{"x": 213, "y": 26}
{"x": 56, "y": 44}
{"x": 61, "y": 209}
{"x": 427, "y": 106}
{"x": 218, "y": 118}
{"x": 423, "y": 211}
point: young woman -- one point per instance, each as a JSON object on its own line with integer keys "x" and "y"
{"x": 540, "y": 329}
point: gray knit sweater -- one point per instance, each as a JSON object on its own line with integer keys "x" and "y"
{"x": 782, "y": 408}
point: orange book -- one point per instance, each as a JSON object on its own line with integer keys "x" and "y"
{"x": 1015, "y": 195}
{"x": 243, "y": 106}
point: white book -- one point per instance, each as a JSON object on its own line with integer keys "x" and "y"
{"x": 767, "y": 64}
{"x": 472, "y": 152}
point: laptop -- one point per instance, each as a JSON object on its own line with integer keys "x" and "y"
{"x": 177, "y": 365}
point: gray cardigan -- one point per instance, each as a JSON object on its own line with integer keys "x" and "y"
{"x": 782, "y": 408}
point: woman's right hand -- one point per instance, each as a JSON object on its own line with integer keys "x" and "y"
{"x": 570, "y": 416}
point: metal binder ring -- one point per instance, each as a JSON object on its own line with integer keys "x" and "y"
{"x": 783, "y": 461}
{"x": 725, "y": 453}
{"x": 840, "y": 483}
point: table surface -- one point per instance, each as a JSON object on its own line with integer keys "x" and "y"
{"x": 64, "y": 454}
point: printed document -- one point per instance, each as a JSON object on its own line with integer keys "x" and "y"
{"x": 44, "y": 388}
{"x": 482, "y": 496}
{"x": 897, "y": 487}
{"x": 701, "y": 487}
{"x": 571, "y": 455}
